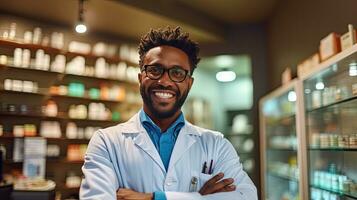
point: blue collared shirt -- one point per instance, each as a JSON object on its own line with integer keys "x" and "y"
{"x": 164, "y": 142}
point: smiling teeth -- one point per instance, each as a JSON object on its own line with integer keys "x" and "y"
{"x": 163, "y": 95}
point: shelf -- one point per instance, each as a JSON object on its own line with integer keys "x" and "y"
{"x": 280, "y": 119}
{"x": 19, "y": 92}
{"x": 239, "y": 135}
{"x": 244, "y": 152}
{"x": 10, "y": 67}
{"x": 9, "y": 136}
{"x": 55, "y": 118}
{"x": 346, "y": 194}
{"x": 51, "y": 160}
{"x": 69, "y": 188}
{"x": 91, "y": 78}
{"x": 85, "y": 99}
{"x": 52, "y": 50}
{"x": 332, "y": 104}
{"x": 332, "y": 149}
{"x": 281, "y": 149}
{"x": 283, "y": 177}
{"x": 16, "y": 44}
{"x": 11, "y": 162}
{"x": 64, "y": 160}
{"x": 69, "y": 140}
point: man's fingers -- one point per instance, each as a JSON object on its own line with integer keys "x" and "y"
{"x": 222, "y": 184}
{"x": 228, "y": 188}
{"x": 213, "y": 180}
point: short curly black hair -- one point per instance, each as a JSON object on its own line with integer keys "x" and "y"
{"x": 171, "y": 37}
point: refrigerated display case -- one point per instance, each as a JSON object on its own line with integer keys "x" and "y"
{"x": 279, "y": 136}
{"x": 330, "y": 105}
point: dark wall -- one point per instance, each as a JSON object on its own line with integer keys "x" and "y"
{"x": 296, "y": 28}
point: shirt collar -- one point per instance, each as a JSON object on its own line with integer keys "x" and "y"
{"x": 146, "y": 121}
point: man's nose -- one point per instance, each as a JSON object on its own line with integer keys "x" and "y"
{"x": 165, "y": 78}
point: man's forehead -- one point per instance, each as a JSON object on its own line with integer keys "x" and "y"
{"x": 168, "y": 53}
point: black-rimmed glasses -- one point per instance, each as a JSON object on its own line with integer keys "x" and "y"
{"x": 155, "y": 72}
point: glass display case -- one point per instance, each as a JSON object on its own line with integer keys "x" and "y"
{"x": 244, "y": 138}
{"x": 330, "y": 98}
{"x": 280, "y": 161}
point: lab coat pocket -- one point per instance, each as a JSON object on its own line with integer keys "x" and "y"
{"x": 203, "y": 178}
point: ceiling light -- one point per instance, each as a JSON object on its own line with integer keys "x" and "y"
{"x": 80, "y": 26}
{"x": 225, "y": 76}
{"x": 292, "y": 96}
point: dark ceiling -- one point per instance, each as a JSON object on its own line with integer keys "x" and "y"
{"x": 206, "y": 20}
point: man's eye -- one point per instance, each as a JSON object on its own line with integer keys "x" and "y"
{"x": 154, "y": 70}
{"x": 178, "y": 73}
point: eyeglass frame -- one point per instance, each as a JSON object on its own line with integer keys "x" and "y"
{"x": 187, "y": 72}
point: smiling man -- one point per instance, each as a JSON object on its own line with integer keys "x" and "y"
{"x": 157, "y": 154}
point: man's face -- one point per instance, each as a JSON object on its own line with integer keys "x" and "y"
{"x": 164, "y": 98}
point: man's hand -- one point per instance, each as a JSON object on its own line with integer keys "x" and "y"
{"x": 128, "y": 194}
{"x": 215, "y": 184}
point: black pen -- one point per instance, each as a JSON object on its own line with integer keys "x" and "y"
{"x": 210, "y": 167}
{"x": 204, "y": 167}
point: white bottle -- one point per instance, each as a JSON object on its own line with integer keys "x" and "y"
{"x": 26, "y": 56}
{"x": 121, "y": 71}
{"x": 100, "y": 68}
{"x": 59, "y": 64}
{"x": 12, "y": 33}
{"x": 39, "y": 59}
{"x": 28, "y": 37}
{"x": 37, "y": 32}
{"x": 8, "y": 84}
{"x": 17, "y": 57}
{"x": 46, "y": 62}
{"x": 71, "y": 130}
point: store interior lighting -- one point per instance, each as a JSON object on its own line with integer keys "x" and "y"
{"x": 225, "y": 75}
{"x": 320, "y": 85}
{"x": 80, "y": 26}
{"x": 292, "y": 96}
{"x": 353, "y": 69}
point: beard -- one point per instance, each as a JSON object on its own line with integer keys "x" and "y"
{"x": 180, "y": 100}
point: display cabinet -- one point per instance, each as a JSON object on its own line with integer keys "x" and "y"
{"x": 330, "y": 98}
{"x": 243, "y": 136}
{"x": 281, "y": 158}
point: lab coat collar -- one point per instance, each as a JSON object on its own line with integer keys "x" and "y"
{"x": 133, "y": 126}
{"x": 186, "y": 138}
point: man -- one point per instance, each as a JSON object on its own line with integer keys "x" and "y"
{"x": 157, "y": 154}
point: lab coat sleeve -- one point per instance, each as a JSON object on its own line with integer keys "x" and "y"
{"x": 100, "y": 180}
{"x": 227, "y": 161}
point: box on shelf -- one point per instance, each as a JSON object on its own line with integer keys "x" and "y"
{"x": 307, "y": 65}
{"x": 329, "y": 46}
{"x": 348, "y": 39}
{"x": 286, "y": 76}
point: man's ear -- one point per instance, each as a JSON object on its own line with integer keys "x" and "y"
{"x": 139, "y": 77}
{"x": 190, "y": 82}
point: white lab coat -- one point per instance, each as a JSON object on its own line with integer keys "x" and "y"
{"x": 124, "y": 156}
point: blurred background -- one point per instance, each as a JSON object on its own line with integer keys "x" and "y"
{"x": 69, "y": 67}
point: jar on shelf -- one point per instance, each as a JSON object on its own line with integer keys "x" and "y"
{"x": 346, "y": 185}
{"x": 343, "y": 141}
{"x": 353, "y": 141}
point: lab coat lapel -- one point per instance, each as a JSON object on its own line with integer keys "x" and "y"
{"x": 186, "y": 138}
{"x": 142, "y": 140}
